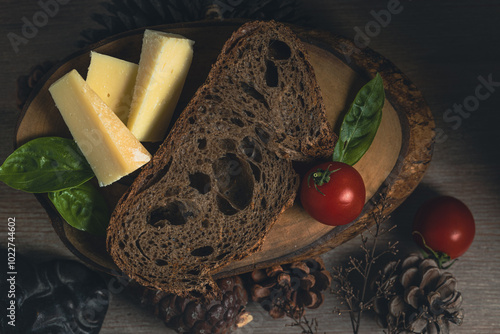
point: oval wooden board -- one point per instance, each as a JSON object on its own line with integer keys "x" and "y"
{"x": 394, "y": 164}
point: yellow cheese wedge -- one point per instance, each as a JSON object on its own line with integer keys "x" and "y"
{"x": 110, "y": 148}
{"x": 163, "y": 67}
{"x": 113, "y": 80}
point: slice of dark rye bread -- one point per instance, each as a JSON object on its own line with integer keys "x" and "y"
{"x": 224, "y": 173}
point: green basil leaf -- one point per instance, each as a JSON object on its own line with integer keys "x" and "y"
{"x": 46, "y": 164}
{"x": 361, "y": 122}
{"x": 83, "y": 207}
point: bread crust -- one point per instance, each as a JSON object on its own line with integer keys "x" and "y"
{"x": 224, "y": 174}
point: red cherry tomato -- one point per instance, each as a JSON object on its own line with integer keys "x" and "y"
{"x": 333, "y": 193}
{"x": 446, "y": 226}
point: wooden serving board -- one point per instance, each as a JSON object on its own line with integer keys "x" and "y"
{"x": 394, "y": 164}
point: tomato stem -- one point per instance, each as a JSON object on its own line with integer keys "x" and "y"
{"x": 441, "y": 258}
{"x": 320, "y": 177}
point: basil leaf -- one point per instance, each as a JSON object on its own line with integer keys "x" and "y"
{"x": 46, "y": 164}
{"x": 83, "y": 207}
{"x": 361, "y": 122}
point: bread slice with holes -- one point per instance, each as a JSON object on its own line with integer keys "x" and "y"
{"x": 224, "y": 174}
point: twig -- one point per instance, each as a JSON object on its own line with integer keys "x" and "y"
{"x": 307, "y": 326}
{"x": 297, "y": 314}
{"x": 356, "y": 299}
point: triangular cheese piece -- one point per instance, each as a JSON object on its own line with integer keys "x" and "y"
{"x": 113, "y": 80}
{"x": 110, "y": 148}
{"x": 163, "y": 67}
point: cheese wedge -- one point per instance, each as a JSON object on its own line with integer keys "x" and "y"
{"x": 163, "y": 67}
{"x": 110, "y": 148}
{"x": 113, "y": 80}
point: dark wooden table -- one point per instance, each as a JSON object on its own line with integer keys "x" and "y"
{"x": 447, "y": 48}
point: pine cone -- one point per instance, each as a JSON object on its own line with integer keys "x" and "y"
{"x": 415, "y": 296}
{"x": 186, "y": 316}
{"x": 289, "y": 289}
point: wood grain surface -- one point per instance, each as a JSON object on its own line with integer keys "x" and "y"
{"x": 448, "y": 49}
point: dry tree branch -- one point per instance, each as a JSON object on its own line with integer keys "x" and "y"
{"x": 297, "y": 314}
{"x": 354, "y": 297}
{"x": 307, "y": 326}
